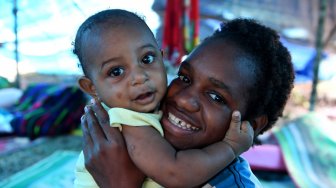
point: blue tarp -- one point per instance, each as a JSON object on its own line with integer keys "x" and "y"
{"x": 303, "y": 58}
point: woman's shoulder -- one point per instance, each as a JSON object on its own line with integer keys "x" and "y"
{"x": 237, "y": 174}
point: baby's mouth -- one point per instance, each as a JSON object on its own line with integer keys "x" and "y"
{"x": 181, "y": 124}
{"x": 145, "y": 98}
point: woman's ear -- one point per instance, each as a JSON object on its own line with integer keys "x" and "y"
{"x": 86, "y": 85}
{"x": 259, "y": 124}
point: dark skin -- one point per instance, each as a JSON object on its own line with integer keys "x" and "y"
{"x": 107, "y": 144}
{"x": 199, "y": 99}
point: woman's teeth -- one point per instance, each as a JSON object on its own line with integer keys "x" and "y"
{"x": 181, "y": 124}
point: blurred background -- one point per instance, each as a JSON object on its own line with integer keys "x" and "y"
{"x": 38, "y": 74}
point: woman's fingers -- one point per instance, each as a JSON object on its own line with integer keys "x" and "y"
{"x": 112, "y": 134}
{"x": 101, "y": 113}
{"x": 95, "y": 130}
{"x": 87, "y": 141}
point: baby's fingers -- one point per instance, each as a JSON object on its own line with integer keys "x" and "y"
{"x": 235, "y": 121}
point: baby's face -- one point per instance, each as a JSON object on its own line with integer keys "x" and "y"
{"x": 126, "y": 67}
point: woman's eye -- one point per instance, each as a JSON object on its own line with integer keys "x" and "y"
{"x": 183, "y": 78}
{"x": 116, "y": 71}
{"x": 148, "y": 59}
{"x": 217, "y": 98}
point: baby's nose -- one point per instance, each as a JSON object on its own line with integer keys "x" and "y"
{"x": 139, "y": 76}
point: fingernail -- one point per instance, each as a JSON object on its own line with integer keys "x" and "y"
{"x": 236, "y": 113}
{"x": 92, "y": 101}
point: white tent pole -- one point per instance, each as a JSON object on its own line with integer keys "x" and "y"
{"x": 16, "y": 42}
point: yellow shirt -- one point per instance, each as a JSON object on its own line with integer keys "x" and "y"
{"x": 128, "y": 117}
{"x": 119, "y": 116}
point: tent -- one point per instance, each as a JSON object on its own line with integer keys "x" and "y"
{"x": 46, "y": 30}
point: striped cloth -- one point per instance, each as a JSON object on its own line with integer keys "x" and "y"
{"x": 48, "y": 110}
{"x": 308, "y": 145}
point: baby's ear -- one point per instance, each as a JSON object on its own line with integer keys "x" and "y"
{"x": 86, "y": 85}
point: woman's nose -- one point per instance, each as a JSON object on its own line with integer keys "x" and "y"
{"x": 139, "y": 76}
{"x": 188, "y": 100}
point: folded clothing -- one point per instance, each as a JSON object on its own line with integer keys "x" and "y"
{"x": 48, "y": 110}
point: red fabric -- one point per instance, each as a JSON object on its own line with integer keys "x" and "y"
{"x": 180, "y": 30}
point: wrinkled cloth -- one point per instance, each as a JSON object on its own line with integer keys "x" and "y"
{"x": 308, "y": 145}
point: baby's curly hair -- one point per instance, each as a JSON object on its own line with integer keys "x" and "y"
{"x": 272, "y": 66}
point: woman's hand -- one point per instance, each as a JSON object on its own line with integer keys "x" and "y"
{"x": 105, "y": 152}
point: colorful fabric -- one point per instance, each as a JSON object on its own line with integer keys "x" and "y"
{"x": 180, "y": 29}
{"x": 5, "y": 119}
{"x": 308, "y": 145}
{"x": 47, "y": 110}
{"x": 237, "y": 174}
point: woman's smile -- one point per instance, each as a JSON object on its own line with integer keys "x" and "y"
{"x": 180, "y": 123}
{"x": 176, "y": 127}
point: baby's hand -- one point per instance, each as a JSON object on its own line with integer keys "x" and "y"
{"x": 239, "y": 135}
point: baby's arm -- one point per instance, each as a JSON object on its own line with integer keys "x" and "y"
{"x": 188, "y": 168}
{"x": 239, "y": 136}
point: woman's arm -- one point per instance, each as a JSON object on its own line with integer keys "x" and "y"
{"x": 187, "y": 168}
{"x": 105, "y": 153}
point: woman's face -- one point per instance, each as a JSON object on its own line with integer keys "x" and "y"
{"x": 211, "y": 83}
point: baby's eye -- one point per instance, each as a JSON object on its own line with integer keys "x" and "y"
{"x": 117, "y": 71}
{"x": 183, "y": 78}
{"x": 217, "y": 98}
{"x": 148, "y": 59}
